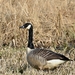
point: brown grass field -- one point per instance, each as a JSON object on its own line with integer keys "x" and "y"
{"x": 54, "y": 28}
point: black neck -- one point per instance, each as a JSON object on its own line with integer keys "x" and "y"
{"x": 30, "y": 40}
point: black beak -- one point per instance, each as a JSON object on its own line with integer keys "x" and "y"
{"x": 21, "y": 27}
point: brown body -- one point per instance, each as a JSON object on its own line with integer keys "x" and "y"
{"x": 45, "y": 59}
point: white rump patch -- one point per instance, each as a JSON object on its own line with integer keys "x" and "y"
{"x": 55, "y": 62}
{"x": 29, "y": 26}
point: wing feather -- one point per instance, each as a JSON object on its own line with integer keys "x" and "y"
{"x": 49, "y": 55}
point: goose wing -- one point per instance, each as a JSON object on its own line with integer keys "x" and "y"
{"x": 49, "y": 55}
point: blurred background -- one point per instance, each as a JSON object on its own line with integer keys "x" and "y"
{"x": 53, "y": 20}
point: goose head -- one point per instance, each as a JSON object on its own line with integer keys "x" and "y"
{"x": 29, "y": 27}
{"x": 26, "y": 25}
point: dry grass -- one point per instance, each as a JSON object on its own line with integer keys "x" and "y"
{"x": 53, "y": 20}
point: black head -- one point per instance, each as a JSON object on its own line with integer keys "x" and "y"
{"x": 26, "y": 25}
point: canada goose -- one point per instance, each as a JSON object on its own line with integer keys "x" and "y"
{"x": 42, "y": 58}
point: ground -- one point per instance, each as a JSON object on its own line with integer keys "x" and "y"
{"x": 13, "y": 61}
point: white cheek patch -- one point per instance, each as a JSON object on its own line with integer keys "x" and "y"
{"x": 29, "y": 26}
